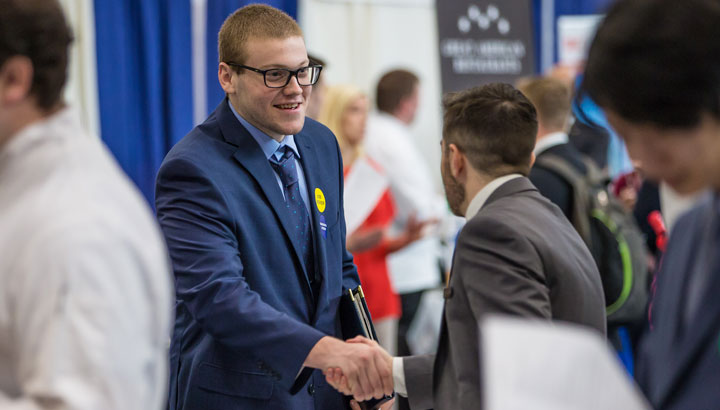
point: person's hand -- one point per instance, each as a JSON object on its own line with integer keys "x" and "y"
{"x": 385, "y": 406}
{"x": 413, "y": 231}
{"x": 366, "y": 367}
{"x": 337, "y": 379}
{"x": 628, "y": 197}
{"x": 362, "y": 240}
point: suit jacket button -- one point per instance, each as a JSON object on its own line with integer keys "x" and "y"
{"x": 311, "y": 389}
{"x": 447, "y": 292}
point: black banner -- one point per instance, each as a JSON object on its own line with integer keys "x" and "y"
{"x": 484, "y": 41}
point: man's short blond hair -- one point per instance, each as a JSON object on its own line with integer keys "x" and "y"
{"x": 552, "y": 99}
{"x": 257, "y": 21}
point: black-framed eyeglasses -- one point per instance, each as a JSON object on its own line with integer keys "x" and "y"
{"x": 280, "y": 77}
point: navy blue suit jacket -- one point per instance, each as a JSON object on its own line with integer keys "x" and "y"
{"x": 245, "y": 315}
{"x": 676, "y": 368}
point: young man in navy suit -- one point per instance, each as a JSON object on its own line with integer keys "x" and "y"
{"x": 251, "y": 206}
{"x": 654, "y": 67}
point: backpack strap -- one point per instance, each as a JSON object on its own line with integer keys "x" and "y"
{"x": 594, "y": 174}
{"x": 579, "y": 183}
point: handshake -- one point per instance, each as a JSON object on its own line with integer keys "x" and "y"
{"x": 358, "y": 367}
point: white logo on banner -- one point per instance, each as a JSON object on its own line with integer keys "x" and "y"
{"x": 491, "y": 54}
{"x": 483, "y": 20}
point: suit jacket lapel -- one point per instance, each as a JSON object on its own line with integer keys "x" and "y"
{"x": 312, "y": 170}
{"x": 251, "y": 157}
{"x": 683, "y": 349}
{"x": 674, "y": 285}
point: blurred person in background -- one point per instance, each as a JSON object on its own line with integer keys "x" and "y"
{"x": 654, "y": 67}
{"x": 566, "y": 177}
{"x": 85, "y": 300}
{"x": 317, "y": 98}
{"x": 551, "y": 98}
{"x": 417, "y": 268}
{"x": 369, "y": 210}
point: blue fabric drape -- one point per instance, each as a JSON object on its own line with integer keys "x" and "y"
{"x": 217, "y": 12}
{"x": 144, "y": 81}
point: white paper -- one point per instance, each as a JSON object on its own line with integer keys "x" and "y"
{"x": 550, "y": 366}
{"x": 364, "y": 187}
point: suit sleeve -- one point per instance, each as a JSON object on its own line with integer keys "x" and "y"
{"x": 210, "y": 276}
{"x": 419, "y": 380}
{"x": 500, "y": 270}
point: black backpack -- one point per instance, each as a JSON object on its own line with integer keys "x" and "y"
{"x": 613, "y": 237}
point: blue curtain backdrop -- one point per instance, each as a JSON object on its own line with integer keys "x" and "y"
{"x": 217, "y": 12}
{"x": 144, "y": 81}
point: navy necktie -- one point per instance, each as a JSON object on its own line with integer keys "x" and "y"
{"x": 297, "y": 212}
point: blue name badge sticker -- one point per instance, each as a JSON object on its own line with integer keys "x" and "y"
{"x": 323, "y": 226}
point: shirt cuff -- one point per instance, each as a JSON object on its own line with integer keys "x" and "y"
{"x": 399, "y": 376}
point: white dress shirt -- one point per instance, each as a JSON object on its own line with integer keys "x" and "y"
{"x": 473, "y": 208}
{"x": 85, "y": 292}
{"x": 388, "y": 141}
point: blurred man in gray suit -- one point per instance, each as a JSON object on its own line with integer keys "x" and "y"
{"x": 517, "y": 254}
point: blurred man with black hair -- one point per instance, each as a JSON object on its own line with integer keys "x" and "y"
{"x": 654, "y": 67}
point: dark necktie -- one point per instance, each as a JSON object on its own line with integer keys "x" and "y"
{"x": 297, "y": 212}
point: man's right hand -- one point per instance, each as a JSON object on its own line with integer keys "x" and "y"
{"x": 366, "y": 366}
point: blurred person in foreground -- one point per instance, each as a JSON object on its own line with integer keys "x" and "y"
{"x": 516, "y": 255}
{"x": 654, "y": 67}
{"x": 251, "y": 204}
{"x": 85, "y": 300}
{"x": 369, "y": 210}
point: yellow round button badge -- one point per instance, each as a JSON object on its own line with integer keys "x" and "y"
{"x": 320, "y": 200}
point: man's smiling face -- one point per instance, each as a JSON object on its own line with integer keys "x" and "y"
{"x": 275, "y": 111}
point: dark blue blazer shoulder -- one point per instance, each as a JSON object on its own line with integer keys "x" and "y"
{"x": 678, "y": 365}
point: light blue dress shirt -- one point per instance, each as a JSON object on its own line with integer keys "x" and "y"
{"x": 270, "y": 146}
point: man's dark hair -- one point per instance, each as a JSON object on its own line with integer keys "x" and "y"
{"x": 657, "y": 61}
{"x": 494, "y": 125}
{"x": 393, "y": 87}
{"x": 37, "y": 30}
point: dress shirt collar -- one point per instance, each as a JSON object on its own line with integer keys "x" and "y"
{"x": 549, "y": 141}
{"x": 482, "y": 196}
{"x": 268, "y": 145}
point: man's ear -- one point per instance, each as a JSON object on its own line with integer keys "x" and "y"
{"x": 402, "y": 106}
{"x": 16, "y": 76}
{"x": 458, "y": 161}
{"x": 532, "y": 159}
{"x": 225, "y": 77}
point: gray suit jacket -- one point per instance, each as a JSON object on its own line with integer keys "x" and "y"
{"x": 518, "y": 256}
